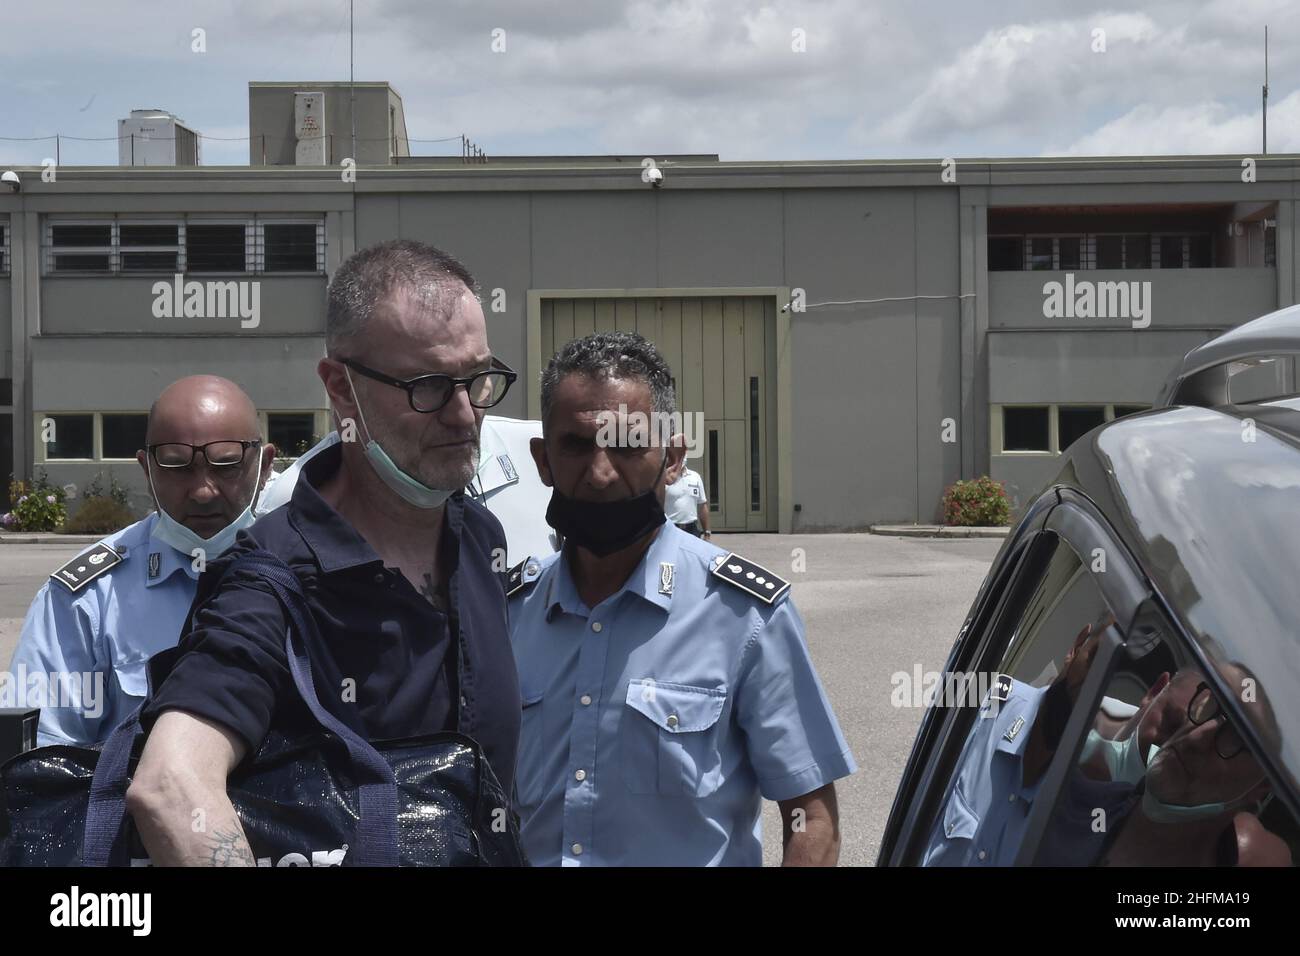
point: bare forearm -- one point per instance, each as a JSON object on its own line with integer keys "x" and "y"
{"x": 178, "y": 796}
{"x": 817, "y": 845}
{"x": 183, "y": 825}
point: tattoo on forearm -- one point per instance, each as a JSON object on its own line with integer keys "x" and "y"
{"x": 230, "y": 849}
{"x": 430, "y": 592}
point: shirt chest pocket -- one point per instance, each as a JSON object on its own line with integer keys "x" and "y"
{"x": 669, "y": 735}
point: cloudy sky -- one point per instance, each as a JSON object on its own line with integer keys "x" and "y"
{"x": 788, "y": 79}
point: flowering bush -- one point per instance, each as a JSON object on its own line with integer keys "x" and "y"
{"x": 38, "y": 506}
{"x": 977, "y": 503}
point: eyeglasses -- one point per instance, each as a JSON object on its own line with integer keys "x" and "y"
{"x": 1204, "y": 706}
{"x": 428, "y": 393}
{"x": 220, "y": 454}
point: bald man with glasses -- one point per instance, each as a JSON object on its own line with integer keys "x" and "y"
{"x": 94, "y": 625}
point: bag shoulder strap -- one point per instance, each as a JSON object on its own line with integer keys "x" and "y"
{"x": 377, "y": 826}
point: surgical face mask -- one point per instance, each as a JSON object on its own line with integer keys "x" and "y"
{"x": 407, "y": 488}
{"x": 170, "y": 531}
{"x": 1161, "y": 812}
{"x": 603, "y": 527}
{"x": 1123, "y": 758}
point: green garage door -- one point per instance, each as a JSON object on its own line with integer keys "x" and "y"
{"x": 723, "y": 354}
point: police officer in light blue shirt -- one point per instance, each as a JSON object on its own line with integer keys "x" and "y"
{"x": 667, "y": 687}
{"x": 94, "y": 625}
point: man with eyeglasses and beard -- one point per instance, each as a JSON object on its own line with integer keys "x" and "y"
{"x": 396, "y": 562}
{"x": 102, "y": 615}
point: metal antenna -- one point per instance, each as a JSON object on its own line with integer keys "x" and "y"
{"x": 352, "y": 88}
{"x": 1266, "y": 89}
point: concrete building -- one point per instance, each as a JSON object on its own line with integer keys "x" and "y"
{"x": 855, "y": 335}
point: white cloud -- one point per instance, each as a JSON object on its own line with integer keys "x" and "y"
{"x": 1207, "y": 127}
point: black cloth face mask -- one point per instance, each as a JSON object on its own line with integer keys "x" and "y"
{"x": 603, "y": 527}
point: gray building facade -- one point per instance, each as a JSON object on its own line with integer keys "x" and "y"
{"x": 848, "y": 337}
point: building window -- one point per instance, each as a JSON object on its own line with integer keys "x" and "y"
{"x": 1070, "y": 252}
{"x": 292, "y": 433}
{"x": 70, "y": 437}
{"x": 123, "y": 434}
{"x": 1270, "y": 246}
{"x": 1200, "y": 252}
{"x": 216, "y": 247}
{"x": 1075, "y": 421}
{"x": 1006, "y": 253}
{"x": 1171, "y": 252}
{"x": 291, "y": 247}
{"x": 200, "y": 246}
{"x": 80, "y": 247}
{"x": 1026, "y": 428}
{"x": 4, "y": 249}
{"x": 1137, "y": 252}
{"x": 1040, "y": 254}
{"x": 149, "y": 247}
{"x": 1110, "y": 252}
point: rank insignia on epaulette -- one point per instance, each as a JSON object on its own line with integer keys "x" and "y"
{"x": 84, "y": 568}
{"x": 751, "y": 577}
{"x": 522, "y": 575}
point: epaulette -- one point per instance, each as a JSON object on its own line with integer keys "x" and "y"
{"x": 84, "y": 568}
{"x": 522, "y": 575}
{"x": 748, "y": 576}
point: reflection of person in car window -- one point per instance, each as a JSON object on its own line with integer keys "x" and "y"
{"x": 1002, "y": 763}
{"x": 1194, "y": 785}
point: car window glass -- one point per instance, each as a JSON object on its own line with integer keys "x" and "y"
{"x": 1164, "y": 778}
{"x": 1020, "y": 718}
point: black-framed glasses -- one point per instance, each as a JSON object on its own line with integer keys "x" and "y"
{"x": 1205, "y": 706}
{"x": 428, "y": 393}
{"x": 220, "y": 454}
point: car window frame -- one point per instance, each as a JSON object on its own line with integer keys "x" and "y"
{"x": 1070, "y": 519}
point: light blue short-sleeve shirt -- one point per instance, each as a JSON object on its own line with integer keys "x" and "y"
{"x": 83, "y": 653}
{"x": 655, "y": 723}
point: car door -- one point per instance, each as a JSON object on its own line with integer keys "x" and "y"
{"x": 1056, "y": 600}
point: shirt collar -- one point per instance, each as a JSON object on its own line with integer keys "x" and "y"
{"x": 492, "y": 472}
{"x": 334, "y": 543}
{"x": 645, "y": 581}
{"x": 169, "y": 559}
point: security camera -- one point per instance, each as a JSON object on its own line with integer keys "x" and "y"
{"x": 655, "y": 176}
{"x": 10, "y": 179}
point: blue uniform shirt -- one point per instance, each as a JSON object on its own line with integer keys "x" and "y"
{"x": 987, "y": 806}
{"x": 108, "y": 629}
{"x": 654, "y": 723}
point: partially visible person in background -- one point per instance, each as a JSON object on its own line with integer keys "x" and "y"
{"x": 687, "y": 505}
{"x": 101, "y": 616}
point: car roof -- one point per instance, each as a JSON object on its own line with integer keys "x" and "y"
{"x": 1208, "y": 501}
{"x": 1201, "y": 378}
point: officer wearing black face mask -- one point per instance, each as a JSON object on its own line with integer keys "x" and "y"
{"x": 653, "y": 665}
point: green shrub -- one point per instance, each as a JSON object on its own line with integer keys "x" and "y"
{"x": 38, "y": 505}
{"x": 977, "y": 503}
{"x": 95, "y": 489}
{"x": 99, "y": 515}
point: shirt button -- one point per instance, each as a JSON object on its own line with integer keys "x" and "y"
{"x": 596, "y": 626}
{"x": 1011, "y": 797}
{"x": 580, "y": 775}
{"x": 463, "y": 701}
{"x": 982, "y": 854}
{"x": 672, "y": 720}
{"x": 379, "y": 579}
{"x": 951, "y": 827}
{"x": 585, "y": 700}
{"x": 577, "y": 849}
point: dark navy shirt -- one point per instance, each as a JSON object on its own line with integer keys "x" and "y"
{"x": 389, "y": 657}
